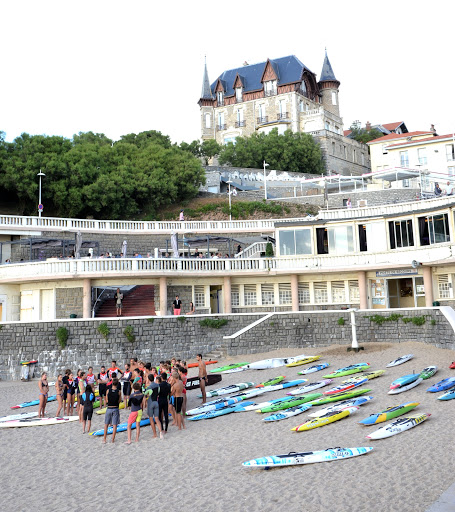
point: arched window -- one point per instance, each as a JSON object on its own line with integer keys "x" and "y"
{"x": 208, "y": 121}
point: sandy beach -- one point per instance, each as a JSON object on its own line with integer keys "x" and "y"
{"x": 57, "y": 467}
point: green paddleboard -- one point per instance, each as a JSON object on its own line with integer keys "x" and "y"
{"x": 228, "y": 367}
{"x": 345, "y": 372}
{"x": 280, "y": 406}
{"x": 271, "y": 382}
{"x": 341, "y": 396}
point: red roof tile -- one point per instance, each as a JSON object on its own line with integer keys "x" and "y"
{"x": 428, "y": 139}
{"x": 347, "y": 132}
{"x": 392, "y": 126}
{"x": 392, "y": 136}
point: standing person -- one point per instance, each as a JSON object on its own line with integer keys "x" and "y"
{"x": 181, "y": 216}
{"x": 348, "y": 203}
{"x": 80, "y": 391}
{"x": 152, "y": 404}
{"x": 138, "y": 376}
{"x": 114, "y": 369}
{"x": 65, "y": 388}
{"x": 112, "y": 417}
{"x": 192, "y": 309}
{"x": 43, "y": 394}
{"x": 177, "y": 306}
{"x": 239, "y": 249}
{"x": 177, "y": 393}
{"x": 234, "y": 191}
{"x": 90, "y": 378}
{"x": 71, "y": 386}
{"x": 87, "y": 399}
{"x": 135, "y": 402}
{"x": 102, "y": 380}
{"x": 59, "y": 392}
{"x": 163, "y": 400}
{"x": 118, "y": 301}
{"x": 126, "y": 381}
{"x": 449, "y": 189}
{"x": 183, "y": 373}
{"x": 133, "y": 363}
{"x": 437, "y": 190}
{"x": 202, "y": 376}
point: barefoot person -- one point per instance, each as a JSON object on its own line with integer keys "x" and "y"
{"x": 59, "y": 392}
{"x": 71, "y": 389}
{"x": 126, "y": 383}
{"x": 103, "y": 379}
{"x": 87, "y": 399}
{"x": 135, "y": 402}
{"x": 80, "y": 391}
{"x": 43, "y": 393}
{"x": 151, "y": 398}
{"x": 202, "y": 376}
{"x": 118, "y": 301}
{"x": 163, "y": 401}
{"x": 177, "y": 393}
{"x": 112, "y": 417}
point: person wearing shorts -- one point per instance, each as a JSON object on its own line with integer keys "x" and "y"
{"x": 112, "y": 417}
{"x": 177, "y": 306}
{"x": 163, "y": 401}
{"x": 87, "y": 399}
{"x": 102, "y": 380}
{"x": 153, "y": 410}
{"x": 135, "y": 402}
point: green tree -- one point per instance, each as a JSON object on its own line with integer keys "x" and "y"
{"x": 209, "y": 149}
{"x": 362, "y": 135}
{"x": 193, "y": 147}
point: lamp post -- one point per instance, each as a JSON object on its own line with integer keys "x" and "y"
{"x": 40, "y": 206}
{"x": 265, "y": 181}
{"x": 229, "y": 194}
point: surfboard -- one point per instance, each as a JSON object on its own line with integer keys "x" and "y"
{"x": 121, "y": 427}
{"x": 288, "y": 413}
{"x": 310, "y": 387}
{"x": 33, "y": 402}
{"x": 389, "y": 413}
{"x": 215, "y": 414}
{"x": 353, "y": 402}
{"x": 343, "y": 388}
{"x": 342, "y": 396}
{"x": 21, "y": 416}
{"x": 296, "y": 458}
{"x": 227, "y": 367}
{"x": 274, "y": 362}
{"x": 428, "y": 372}
{"x": 305, "y": 360}
{"x": 403, "y": 381}
{"x": 348, "y": 370}
{"x": 195, "y": 365}
{"x": 271, "y": 382}
{"x": 326, "y": 419}
{"x": 194, "y": 382}
{"x": 298, "y": 400}
{"x": 254, "y": 407}
{"x": 407, "y": 387}
{"x": 442, "y": 385}
{"x": 315, "y": 368}
{"x": 400, "y": 360}
{"x": 38, "y": 422}
{"x": 398, "y": 426}
{"x": 229, "y": 389}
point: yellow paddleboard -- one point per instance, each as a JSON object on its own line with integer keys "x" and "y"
{"x": 325, "y": 420}
{"x": 365, "y": 375}
{"x": 304, "y": 361}
{"x": 103, "y": 411}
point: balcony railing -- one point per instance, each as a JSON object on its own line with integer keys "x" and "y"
{"x": 221, "y": 127}
{"x": 240, "y": 124}
{"x": 262, "y": 120}
{"x": 282, "y": 115}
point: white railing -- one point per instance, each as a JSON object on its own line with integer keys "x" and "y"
{"x": 124, "y": 267}
{"x": 252, "y": 251}
{"x": 313, "y": 112}
{"x": 139, "y": 227}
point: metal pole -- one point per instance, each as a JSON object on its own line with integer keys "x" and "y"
{"x": 229, "y": 193}
{"x": 265, "y": 181}
{"x": 355, "y": 344}
{"x": 39, "y": 199}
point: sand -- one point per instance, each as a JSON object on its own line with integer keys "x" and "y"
{"x": 58, "y": 468}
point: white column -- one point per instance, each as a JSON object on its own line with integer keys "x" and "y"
{"x": 163, "y": 296}
{"x": 428, "y": 286}
{"x": 86, "y": 298}
{"x": 363, "y": 289}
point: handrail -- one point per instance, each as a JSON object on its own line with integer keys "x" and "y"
{"x": 96, "y": 302}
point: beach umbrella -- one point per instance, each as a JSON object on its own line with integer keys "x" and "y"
{"x": 124, "y": 248}
{"x": 174, "y": 245}
{"x": 78, "y": 245}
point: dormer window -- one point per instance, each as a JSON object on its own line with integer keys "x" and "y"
{"x": 270, "y": 88}
{"x": 238, "y": 94}
{"x": 220, "y": 98}
{"x": 303, "y": 87}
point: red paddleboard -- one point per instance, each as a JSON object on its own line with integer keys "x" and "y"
{"x": 195, "y": 365}
{"x": 29, "y": 362}
{"x": 452, "y": 365}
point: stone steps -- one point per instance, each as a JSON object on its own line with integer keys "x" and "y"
{"x": 139, "y": 302}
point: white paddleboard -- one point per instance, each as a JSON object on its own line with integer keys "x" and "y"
{"x": 352, "y": 402}
{"x": 21, "y": 416}
{"x": 400, "y": 360}
{"x": 398, "y": 426}
{"x": 310, "y": 387}
{"x": 38, "y": 422}
{"x": 405, "y": 388}
{"x": 275, "y": 362}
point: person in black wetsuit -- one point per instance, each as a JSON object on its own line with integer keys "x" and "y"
{"x": 163, "y": 401}
{"x": 135, "y": 402}
{"x": 112, "y": 417}
{"x": 87, "y": 399}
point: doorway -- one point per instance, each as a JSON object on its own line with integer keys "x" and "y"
{"x": 216, "y": 299}
{"x": 401, "y": 293}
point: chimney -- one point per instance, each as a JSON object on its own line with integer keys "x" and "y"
{"x": 368, "y": 126}
{"x": 245, "y": 63}
{"x": 433, "y": 130}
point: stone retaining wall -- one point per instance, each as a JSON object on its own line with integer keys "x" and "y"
{"x": 185, "y": 337}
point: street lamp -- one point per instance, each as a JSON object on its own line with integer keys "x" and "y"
{"x": 229, "y": 193}
{"x": 40, "y": 206}
{"x": 265, "y": 180}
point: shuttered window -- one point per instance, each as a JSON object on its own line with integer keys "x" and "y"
{"x": 267, "y": 294}
{"x": 320, "y": 293}
{"x": 444, "y": 287}
{"x": 338, "y": 292}
{"x": 250, "y": 295}
{"x": 235, "y": 295}
{"x": 285, "y": 293}
{"x": 199, "y": 297}
{"x": 304, "y": 293}
{"x": 354, "y": 294}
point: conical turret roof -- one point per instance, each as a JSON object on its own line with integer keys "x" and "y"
{"x": 327, "y": 73}
{"x": 206, "y": 91}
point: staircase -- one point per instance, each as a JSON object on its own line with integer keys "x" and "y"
{"x": 139, "y": 302}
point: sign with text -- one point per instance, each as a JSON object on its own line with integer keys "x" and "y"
{"x": 400, "y": 272}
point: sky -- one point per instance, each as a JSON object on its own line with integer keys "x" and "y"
{"x": 120, "y": 67}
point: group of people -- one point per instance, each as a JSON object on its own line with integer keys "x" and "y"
{"x": 448, "y": 192}
{"x": 161, "y": 391}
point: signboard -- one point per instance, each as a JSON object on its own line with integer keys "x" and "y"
{"x": 379, "y": 302}
{"x": 40, "y": 207}
{"x": 400, "y": 272}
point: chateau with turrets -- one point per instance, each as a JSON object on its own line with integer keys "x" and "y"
{"x": 284, "y": 94}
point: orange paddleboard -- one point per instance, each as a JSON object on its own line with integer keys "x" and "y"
{"x": 194, "y": 365}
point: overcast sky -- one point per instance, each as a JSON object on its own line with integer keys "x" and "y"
{"x": 120, "y": 67}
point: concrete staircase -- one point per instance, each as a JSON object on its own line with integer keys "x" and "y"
{"x": 139, "y": 302}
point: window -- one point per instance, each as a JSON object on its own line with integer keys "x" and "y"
{"x": 282, "y": 106}
{"x": 220, "y": 98}
{"x": 404, "y": 159}
{"x": 384, "y": 149}
{"x": 338, "y": 292}
{"x": 230, "y": 138}
{"x": 249, "y": 294}
{"x": 235, "y": 295}
{"x": 285, "y": 293}
{"x": 434, "y": 229}
{"x": 451, "y": 171}
{"x": 304, "y": 293}
{"x": 444, "y": 287}
{"x": 422, "y": 156}
{"x": 363, "y": 158}
{"x": 334, "y": 98}
{"x": 320, "y": 293}
{"x": 302, "y": 106}
{"x": 303, "y": 87}
{"x": 199, "y": 297}
{"x": 322, "y": 243}
{"x": 208, "y": 120}
{"x": 267, "y": 294}
{"x": 238, "y": 94}
{"x": 372, "y": 237}
{"x": 354, "y": 294}
{"x": 450, "y": 152}
{"x": 401, "y": 234}
{"x": 340, "y": 240}
{"x": 327, "y": 125}
{"x": 295, "y": 241}
{"x": 333, "y": 148}
{"x": 240, "y": 122}
{"x": 354, "y": 155}
{"x": 270, "y": 88}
